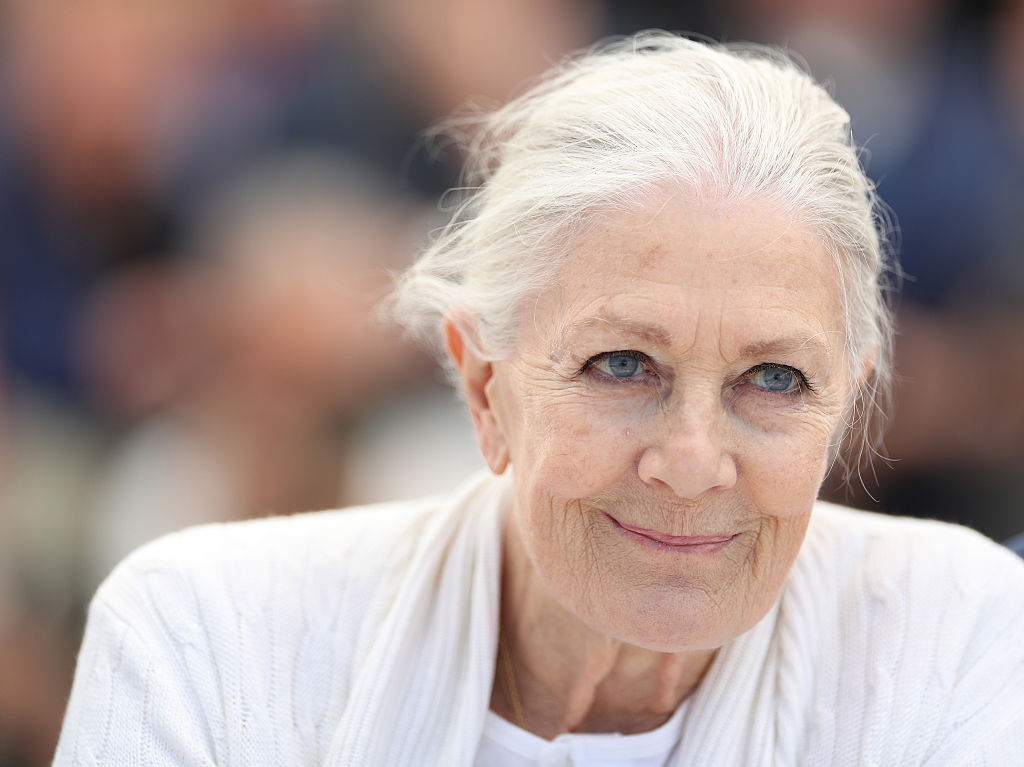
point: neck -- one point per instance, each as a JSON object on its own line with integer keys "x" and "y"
{"x": 570, "y": 678}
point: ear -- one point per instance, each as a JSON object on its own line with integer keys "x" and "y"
{"x": 853, "y": 398}
{"x": 477, "y": 377}
{"x": 867, "y": 367}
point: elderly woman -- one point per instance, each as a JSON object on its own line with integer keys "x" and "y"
{"x": 663, "y": 304}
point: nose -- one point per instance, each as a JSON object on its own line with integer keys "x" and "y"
{"x": 690, "y": 457}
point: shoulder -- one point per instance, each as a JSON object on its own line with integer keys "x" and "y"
{"x": 239, "y": 560}
{"x": 314, "y": 563}
{"x": 239, "y": 607}
{"x": 909, "y": 572}
{"x": 241, "y": 627}
{"x": 900, "y": 626}
{"x": 305, "y": 571}
{"x": 905, "y": 553}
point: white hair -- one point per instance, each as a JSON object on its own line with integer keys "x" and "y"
{"x": 609, "y": 128}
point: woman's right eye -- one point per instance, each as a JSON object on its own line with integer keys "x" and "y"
{"x": 625, "y": 364}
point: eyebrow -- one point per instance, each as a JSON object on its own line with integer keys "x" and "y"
{"x": 786, "y": 346}
{"x": 658, "y": 335}
{"x": 652, "y": 333}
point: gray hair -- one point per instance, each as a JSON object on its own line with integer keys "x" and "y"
{"x": 608, "y": 128}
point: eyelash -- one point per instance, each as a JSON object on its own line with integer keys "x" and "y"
{"x": 803, "y": 384}
{"x": 645, "y": 362}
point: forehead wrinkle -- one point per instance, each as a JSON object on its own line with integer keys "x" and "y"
{"x": 806, "y": 334}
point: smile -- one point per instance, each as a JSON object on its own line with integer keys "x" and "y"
{"x": 692, "y": 544}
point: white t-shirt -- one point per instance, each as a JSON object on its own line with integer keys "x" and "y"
{"x": 506, "y": 745}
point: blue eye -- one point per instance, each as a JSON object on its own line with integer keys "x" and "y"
{"x": 620, "y": 365}
{"x": 627, "y": 365}
{"x": 775, "y": 378}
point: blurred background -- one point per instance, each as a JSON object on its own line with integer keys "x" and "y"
{"x": 200, "y": 203}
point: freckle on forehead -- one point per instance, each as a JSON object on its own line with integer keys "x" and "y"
{"x": 650, "y": 256}
{"x": 638, "y": 260}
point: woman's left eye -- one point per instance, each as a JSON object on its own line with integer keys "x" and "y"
{"x": 776, "y": 378}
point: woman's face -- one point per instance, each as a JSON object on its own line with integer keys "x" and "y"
{"x": 668, "y": 412}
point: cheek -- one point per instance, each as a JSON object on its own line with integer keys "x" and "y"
{"x": 780, "y": 473}
{"x": 790, "y": 459}
{"x": 574, "y": 447}
{"x": 574, "y": 450}
{"x": 770, "y": 560}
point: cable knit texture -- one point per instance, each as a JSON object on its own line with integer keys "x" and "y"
{"x": 367, "y": 637}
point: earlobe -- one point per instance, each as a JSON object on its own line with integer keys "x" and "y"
{"x": 478, "y": 385}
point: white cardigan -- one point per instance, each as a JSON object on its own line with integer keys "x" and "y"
{"x": 367, "y": 637}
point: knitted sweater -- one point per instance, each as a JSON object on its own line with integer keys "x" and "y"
{"x": 368, "y": 636}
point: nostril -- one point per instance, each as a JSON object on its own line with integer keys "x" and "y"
{"x": 690, "y": 467}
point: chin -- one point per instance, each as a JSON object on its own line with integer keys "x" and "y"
{"x": 677, "y": 622}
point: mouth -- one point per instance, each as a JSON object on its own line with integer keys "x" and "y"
{"x": 692, "y": 544}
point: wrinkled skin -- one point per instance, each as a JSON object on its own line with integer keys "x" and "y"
{"x": 716, "y": 424}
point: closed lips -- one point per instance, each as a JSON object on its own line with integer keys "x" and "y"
{"x": 674, "y": 540}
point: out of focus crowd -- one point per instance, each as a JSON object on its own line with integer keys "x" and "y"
{"x": 202, "y": 202}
